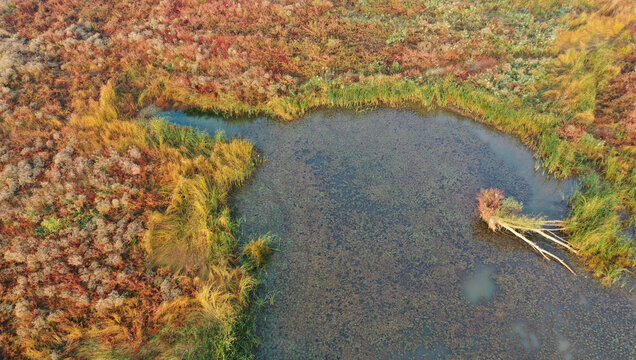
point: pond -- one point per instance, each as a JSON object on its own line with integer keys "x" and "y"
{"x": 382, "y": 255}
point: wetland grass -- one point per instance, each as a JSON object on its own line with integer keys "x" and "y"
{"x": 608, "y": 250}
{"x": 258, "y": 251}
{"x": 49, "y": 88}
{"x": 190, "y": 233}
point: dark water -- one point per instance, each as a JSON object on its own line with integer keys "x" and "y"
{"x": 383, "y": 257}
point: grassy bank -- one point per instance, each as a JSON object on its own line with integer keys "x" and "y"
{"x": 192, "y": 234}
{"x": 602, "y": 213}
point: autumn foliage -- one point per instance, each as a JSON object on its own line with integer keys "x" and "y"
{"x": 93, "y": 201}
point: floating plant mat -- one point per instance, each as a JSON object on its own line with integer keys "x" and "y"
{"x": 383, "y": 254}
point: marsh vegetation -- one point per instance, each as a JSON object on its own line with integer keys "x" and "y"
{"x": 96, "y": 199}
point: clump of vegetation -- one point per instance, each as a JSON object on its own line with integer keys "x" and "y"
{"x": 258, "y": 251}
{"x": 51, "y": 225}
{"x": 500, "y": 212}
{"x": 598, "y": 230}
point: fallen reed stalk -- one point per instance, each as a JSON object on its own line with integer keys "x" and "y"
{"x": 500, "y": 212}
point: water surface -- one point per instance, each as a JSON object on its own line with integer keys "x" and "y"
{"x": 383, "y": 257}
